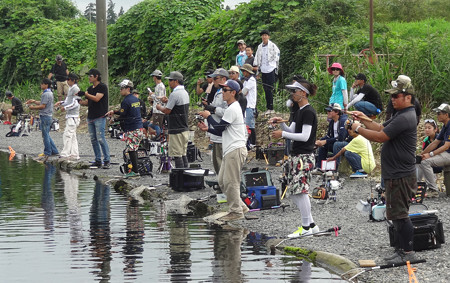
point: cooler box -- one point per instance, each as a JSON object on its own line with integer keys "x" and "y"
{"x": 267, "y": 196}
{"x": 187, "y": 180}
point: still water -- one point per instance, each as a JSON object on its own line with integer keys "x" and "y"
{"x": 55, "y": 227}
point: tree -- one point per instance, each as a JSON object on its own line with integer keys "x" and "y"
{"x": 121, "y": 12}
{"x": 91, "y": 13}
{"x": 111, "y": 16}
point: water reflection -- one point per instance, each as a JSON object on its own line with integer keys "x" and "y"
{"x": 71, "y": 185}
{"x": 227, "y": 255}
{"x": 100, "y": 231}
{"x": 47, "y": 199}
{"x": 180, "y": 248}
{"x": 134, "y": 241}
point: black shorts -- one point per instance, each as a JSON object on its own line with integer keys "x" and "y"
{"x": 15, "y": 112}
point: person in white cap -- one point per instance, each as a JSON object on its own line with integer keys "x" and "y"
{"x": 156, "y": 97}
{"x": 302, "y": 131}
{"x": 433, "y": 156}
{"x": 131, "y": 123}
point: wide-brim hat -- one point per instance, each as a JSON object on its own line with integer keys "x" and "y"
{"x": 335, "y": 65}
{"x": 248, "y": 68}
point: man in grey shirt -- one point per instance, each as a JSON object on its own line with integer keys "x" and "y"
{"x": 45, "y": 107}
{"x": 399, "y": 137}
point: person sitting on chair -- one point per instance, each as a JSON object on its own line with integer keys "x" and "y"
{"x": 15, "y": 109}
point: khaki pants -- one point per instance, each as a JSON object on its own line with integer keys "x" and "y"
{"x": 230, "y": 178}
{"x": 63, "y": 89}
{"x": 178, "y": 144}
{"x": 217, "y": 157}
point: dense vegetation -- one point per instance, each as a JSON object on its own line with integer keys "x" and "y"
{"x": 192, "y": 36}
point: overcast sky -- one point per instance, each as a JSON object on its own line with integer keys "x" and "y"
{"x": 126, "y": 4}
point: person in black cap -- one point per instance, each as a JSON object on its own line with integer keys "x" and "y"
{"x": 206, "y": 87}
{"x": 16, "y": 107}
{"x": 366, "y": 99}
{"x": 59, "y": 69}
{"x": 266, "y": 61}
{"x": 97, "y": 102}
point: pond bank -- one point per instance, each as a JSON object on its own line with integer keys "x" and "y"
{"x": 358, "y": 239}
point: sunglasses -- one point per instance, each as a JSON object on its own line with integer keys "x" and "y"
{"x": 395, "y": 95}
{"x": 431, "y": 121}
{"x": 226, "y": 89}
{"x": 335, "y": 69}
{"x": 171, "y": 80}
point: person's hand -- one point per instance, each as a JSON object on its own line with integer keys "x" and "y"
{"x": 110, "y": 113}
{"x": 164, "y": 99}
{"x": 331, "y": 158}
{"x": 275, "y": 120}
{"x": 320, "y": 143}
{"x": 30, "y": 101}
{"x": 425, "y": 156}
{"x": 204, "y": 101}
{"x": 354, "y": 85}
{"x": 200, "y": 81}
{"x": 277, "y": 134}
{"x": 205, "y": 114}
{"x": 202, "y": 126}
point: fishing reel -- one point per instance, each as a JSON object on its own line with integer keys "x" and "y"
{"x": 349, "y": 124}
{"x": 199, "y": 118}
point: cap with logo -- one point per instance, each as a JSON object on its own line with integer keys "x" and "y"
{"x": 232, "y": 84}
{"x": 126, "y": 83}
{"x": 401, "y": 85}
{"x": 444, "y": 107}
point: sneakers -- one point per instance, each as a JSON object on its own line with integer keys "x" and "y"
{"x": 394, "y": 255}
{"x": 231, "y": 216}
{"x": 41, "y": 154}
{"x": 315, "y": 229}
{"x": 269, "y": 112}
{"x": 42, "y": 158}
{"x": 300, "y": 232}
{"x": 432, "y": 194}
{"x": 130, "y": 174}
{"x": 402, "y": 257}
{"x": 358, "y": 174}
{"x": 106, "y": 165}
{"x": 97, "y": 164}
{"x": 7, "y": 123}
{"x": 317, "y": 171}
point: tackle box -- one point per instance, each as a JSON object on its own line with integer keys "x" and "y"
{"x": 187, "y": 179}
{"x": 265, "y": 195}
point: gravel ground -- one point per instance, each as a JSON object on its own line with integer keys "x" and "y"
{"x": 358, "y": 239}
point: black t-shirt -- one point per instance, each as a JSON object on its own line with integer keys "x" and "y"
{"x": 60, "y": 72}
{"x": 371, "y": 95}
{"x": 305, "y": 116}
{"x": 210, "y": 97}
{"x": 98, "y": 109}
{"x": 17, "y": 104}
{"x": 250, "y": 60}
{"x": 398, "y": 154}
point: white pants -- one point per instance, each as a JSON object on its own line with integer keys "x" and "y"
{"x": 70, "y": 138}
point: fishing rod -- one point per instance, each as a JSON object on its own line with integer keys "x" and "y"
{"x": 323, "y": 232}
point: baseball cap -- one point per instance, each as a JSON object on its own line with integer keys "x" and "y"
{"x": 220, "y": 72}
{"x": 232, "y": 84}
{"x": 240, "y": 41}
{"x": 156, "y": 73}
{"x": 209, "y": 72}
{"x": 401, "y": 85}
{"x": 135, "y": 91}
{"x": 264, "y": 31}
{"x": 8, "y": 93}
{"x": 175, "y": 75}
{"x": 59, "y": 57}
{"x": 334, "y": 106}
{"x": 361, "y": 76}
{"x": 444, "y": 107}
{"x": 126, "y": 83}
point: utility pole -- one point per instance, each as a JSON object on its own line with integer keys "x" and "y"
{"x": 371, "y": 31}
{"x": 102, "y": 41}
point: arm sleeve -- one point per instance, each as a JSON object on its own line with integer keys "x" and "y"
{"x": 345, "y": 95}
{"x": 216, "y": 128}
{"x": 303, "y": 136}
{"x": 356, "y": 99}
{"x": 289, "y": 129}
